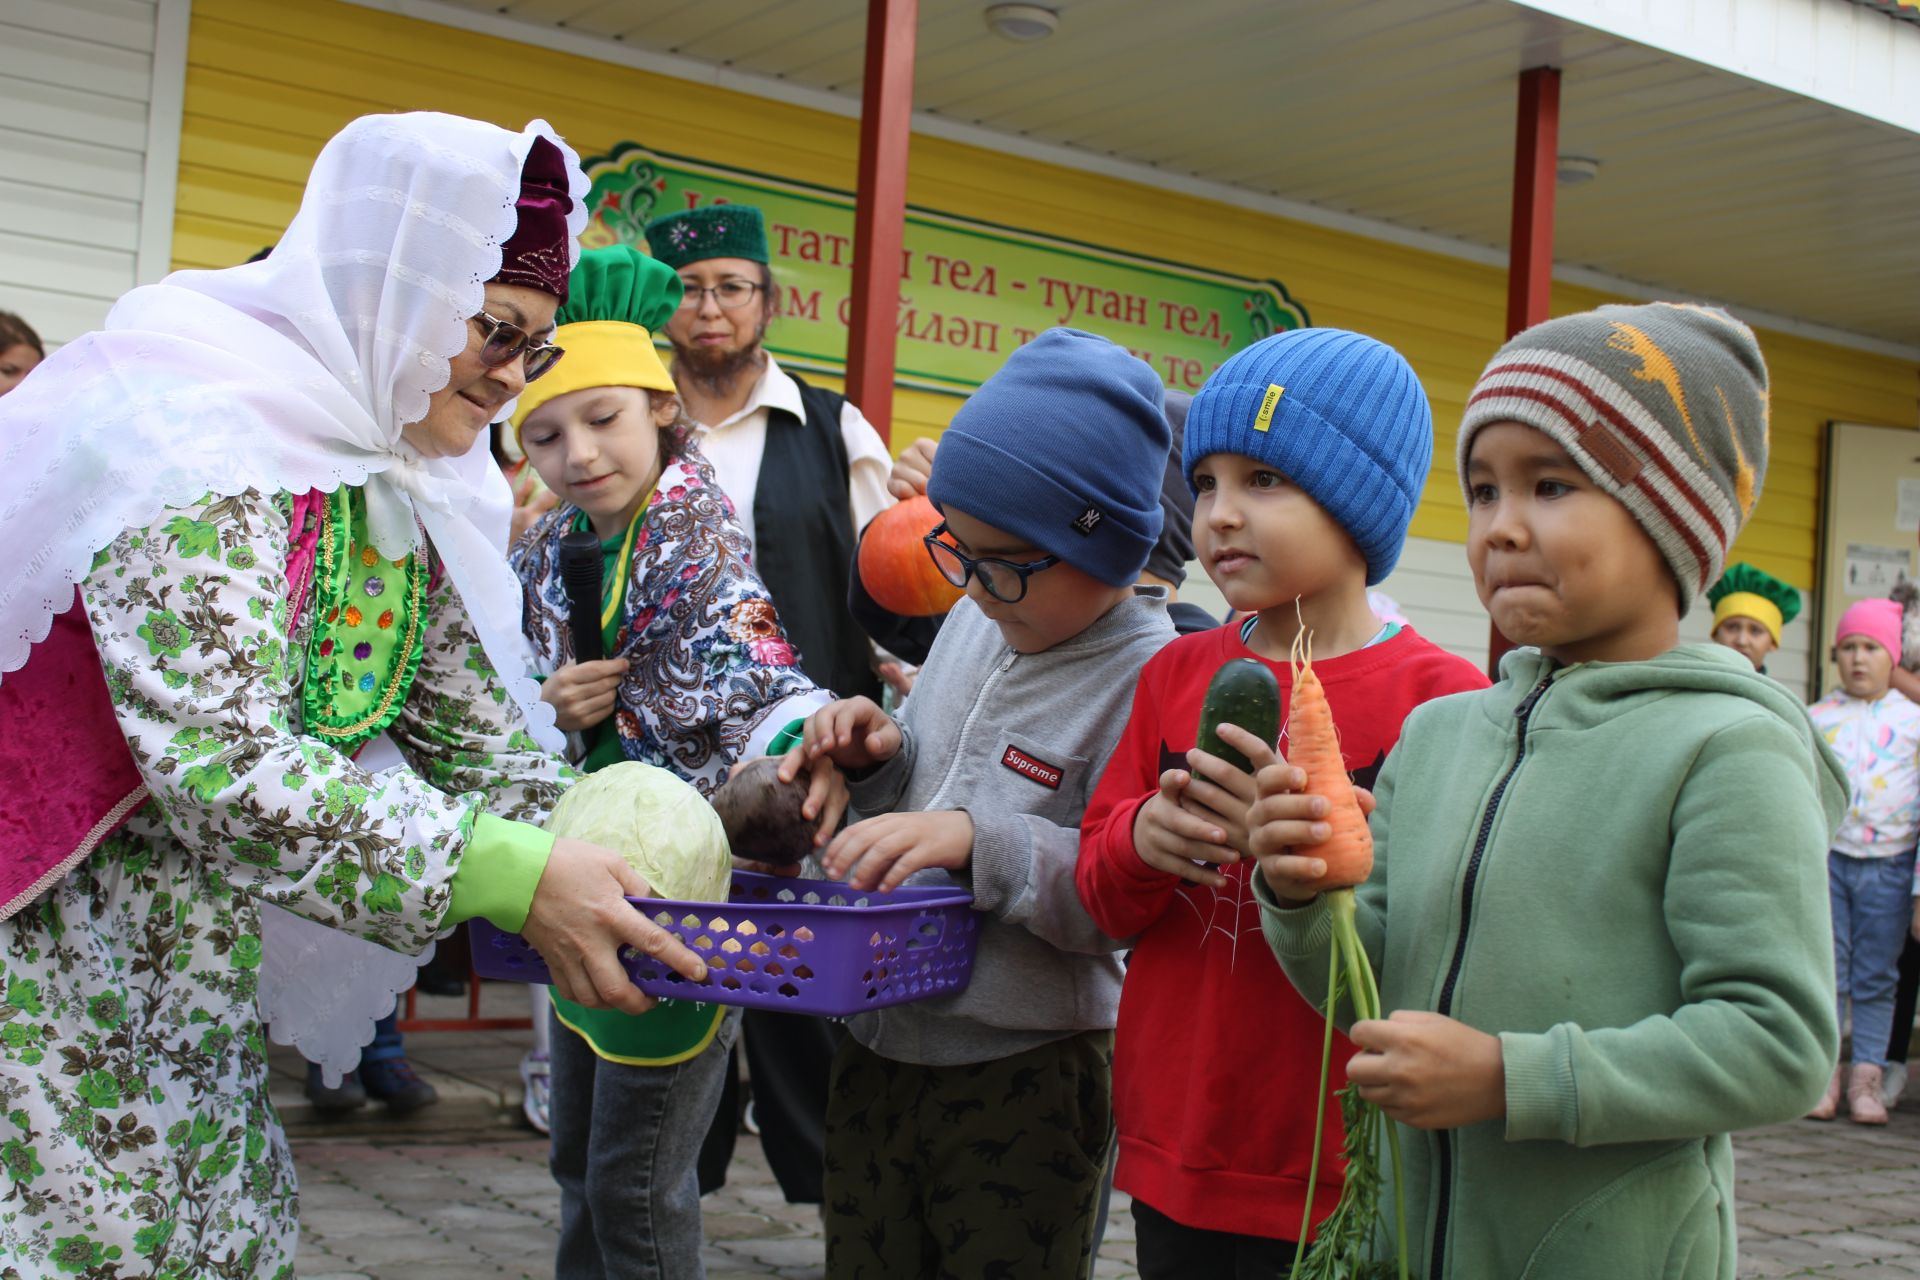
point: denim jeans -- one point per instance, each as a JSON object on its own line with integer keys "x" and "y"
{"x": 626, "y": 1145}
{"x": 1872, "y": 908}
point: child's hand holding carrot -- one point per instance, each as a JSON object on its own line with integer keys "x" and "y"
{"x": 1429, "y": 1070}
{"x": 1284, "y": 817}
{"x": 852, "y": 732}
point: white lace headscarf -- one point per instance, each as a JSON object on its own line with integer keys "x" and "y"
{"x": 296, "y": 372}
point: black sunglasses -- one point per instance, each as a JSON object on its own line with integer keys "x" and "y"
{"x": 1004, "y": 580}
{"x": 506, "y": 343}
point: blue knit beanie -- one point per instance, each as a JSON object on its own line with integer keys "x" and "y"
{"x": 1065, "y": 447}
{"x": 1340, "y": 414}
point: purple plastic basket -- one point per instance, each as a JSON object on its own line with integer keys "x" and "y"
{"x": 796, "y": 946}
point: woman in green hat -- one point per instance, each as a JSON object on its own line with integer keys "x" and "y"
{"x": 701, "y": 676}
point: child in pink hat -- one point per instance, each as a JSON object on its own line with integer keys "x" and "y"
{"x": 1870, "y": 871}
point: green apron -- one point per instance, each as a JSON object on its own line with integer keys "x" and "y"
{"x": 675, "y": 1030}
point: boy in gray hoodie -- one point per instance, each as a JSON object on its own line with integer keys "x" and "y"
{"x": 967, "y": 1135}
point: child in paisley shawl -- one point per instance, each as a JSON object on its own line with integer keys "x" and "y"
{"x": 701, "y": 676}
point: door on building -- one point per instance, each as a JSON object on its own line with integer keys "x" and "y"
{"x": 1870, "y": 522}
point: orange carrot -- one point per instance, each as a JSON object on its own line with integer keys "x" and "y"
{"x": 1313, "y": 746}
{"x": 1345, "y": 1240}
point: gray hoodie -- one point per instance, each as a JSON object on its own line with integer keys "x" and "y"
{"x": 1018, "y": 741}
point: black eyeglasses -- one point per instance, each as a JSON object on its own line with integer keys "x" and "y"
{"x": 1004, "y": 580}
{"x": 506, "y": 343}
{"x": 728, "y": 293}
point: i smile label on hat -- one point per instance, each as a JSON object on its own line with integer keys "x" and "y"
{"x": 1264, "y": 418}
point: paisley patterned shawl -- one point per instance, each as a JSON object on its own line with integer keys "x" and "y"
{"x": 709, "y": 661}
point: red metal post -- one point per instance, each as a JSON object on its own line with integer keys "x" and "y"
{"x": 1536, "y": 152}
{"x": 880, "y": 207}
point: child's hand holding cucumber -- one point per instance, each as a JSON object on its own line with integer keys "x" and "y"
{"x": 1198, "y": 819}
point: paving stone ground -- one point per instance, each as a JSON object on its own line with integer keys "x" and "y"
{"x": 462, "y": 1192}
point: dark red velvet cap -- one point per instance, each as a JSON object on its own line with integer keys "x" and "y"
{"x": 536, "y": 253}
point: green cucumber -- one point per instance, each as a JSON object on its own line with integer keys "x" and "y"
{"x": 1244, "y": 693}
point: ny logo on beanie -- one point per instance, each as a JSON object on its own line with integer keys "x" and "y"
{"x": 1071, "y": 433}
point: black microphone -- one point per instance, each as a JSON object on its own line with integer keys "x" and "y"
{"x": 580, "y": 563}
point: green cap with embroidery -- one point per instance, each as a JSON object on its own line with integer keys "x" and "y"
{"x": 715, "y": 231}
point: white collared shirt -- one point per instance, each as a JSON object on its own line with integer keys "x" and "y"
{"x": 735, "y": 446}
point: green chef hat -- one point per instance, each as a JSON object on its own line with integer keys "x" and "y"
{"x": 617, "y": 299}
{"x": 715, "y": 231}
{"x": 1745, "y": 592}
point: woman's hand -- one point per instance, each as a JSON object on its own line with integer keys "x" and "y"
{"x": 580, "y": 919}
{"x": 582, "y": 694}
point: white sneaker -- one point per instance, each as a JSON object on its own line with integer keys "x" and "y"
{"x": 537, "y": 1089}
{"x": 1893, "y": 1083}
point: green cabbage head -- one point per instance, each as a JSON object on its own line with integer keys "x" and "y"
{"x": 657, "y": 822}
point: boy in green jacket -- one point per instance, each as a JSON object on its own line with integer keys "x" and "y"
{"x": 1598, "y": 907}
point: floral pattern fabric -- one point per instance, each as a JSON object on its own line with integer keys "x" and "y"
{"x": 709, "y": 663}
{"x": 136, "y": 1135}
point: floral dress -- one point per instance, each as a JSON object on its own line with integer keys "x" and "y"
{"x": 136, "y": 1134}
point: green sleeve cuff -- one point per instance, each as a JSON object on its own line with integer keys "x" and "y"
{"x": 1541, "y": 1101}
{"x": 1293, "y": 931}
{"x": 498, "y": 873}
{"x": 788, "y": 738}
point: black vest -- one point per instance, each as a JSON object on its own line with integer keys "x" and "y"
{"x": 804, "y": 540}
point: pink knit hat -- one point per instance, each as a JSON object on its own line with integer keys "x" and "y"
{"x": 1877, "y": 620}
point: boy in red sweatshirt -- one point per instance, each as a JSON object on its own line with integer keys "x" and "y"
{"x": 1307, "y": 453}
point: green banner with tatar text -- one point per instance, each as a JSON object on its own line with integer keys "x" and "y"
{"x": 971, "y": 291}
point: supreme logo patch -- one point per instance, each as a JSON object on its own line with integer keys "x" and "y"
{"x": 1026, "y": 766}
{"x": 1268, "y": 404}
{"x": 1087, "y": 521}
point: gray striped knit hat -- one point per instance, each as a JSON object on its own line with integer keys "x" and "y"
{"x": 1663, "y": 405}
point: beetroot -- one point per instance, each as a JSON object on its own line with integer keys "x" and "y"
{"x": 762, "y": 814}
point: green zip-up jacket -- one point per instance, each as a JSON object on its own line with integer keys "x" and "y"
{"x": 1620, "y": 870}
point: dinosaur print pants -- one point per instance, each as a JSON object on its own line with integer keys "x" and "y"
{"x": 987, "y": 1171}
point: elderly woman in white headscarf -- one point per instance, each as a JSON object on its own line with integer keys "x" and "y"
{"x": 272, "y": 488}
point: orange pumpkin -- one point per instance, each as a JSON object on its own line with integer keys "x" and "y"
{"x": 895, "y": 567}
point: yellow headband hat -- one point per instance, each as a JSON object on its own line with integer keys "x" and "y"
{"x": 1747, "y": 592}
{"x": 617, "y": 298}
{"x": 600, "y": 353}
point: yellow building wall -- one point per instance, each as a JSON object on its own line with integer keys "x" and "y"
{"x": 268, "y": 84}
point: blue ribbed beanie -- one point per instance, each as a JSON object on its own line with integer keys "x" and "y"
{"x": 1065, "y": 446}
{"x": 1340, "y": 414}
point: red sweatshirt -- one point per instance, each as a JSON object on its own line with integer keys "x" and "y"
{"x": 1217, "y": 1058}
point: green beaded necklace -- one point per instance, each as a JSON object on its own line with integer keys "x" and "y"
{"x": 368, "y": 629}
